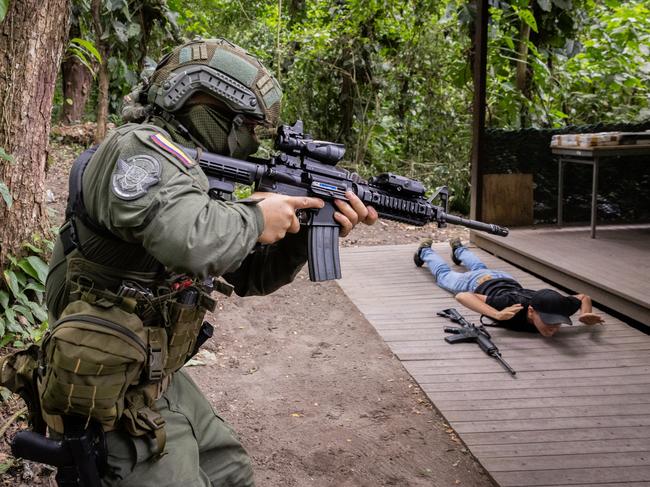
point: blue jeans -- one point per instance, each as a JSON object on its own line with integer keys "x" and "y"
{"x": 456, "y": 282}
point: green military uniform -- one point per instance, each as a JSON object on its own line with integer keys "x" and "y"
{"x": 142, "y": 234}
{"x": 169, "y": 223}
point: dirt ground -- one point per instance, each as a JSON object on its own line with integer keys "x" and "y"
{"x": 315, "y": 395}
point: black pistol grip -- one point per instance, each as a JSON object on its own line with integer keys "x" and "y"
{"x": 37, "y": 448}
{"x": 323, "y": 253}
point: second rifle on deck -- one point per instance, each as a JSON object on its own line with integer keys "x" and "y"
{"x": 469, "y": 332}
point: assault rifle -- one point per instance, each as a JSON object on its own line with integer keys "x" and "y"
{"x": 307, "y": 167}
{"x": 469, "y": 332}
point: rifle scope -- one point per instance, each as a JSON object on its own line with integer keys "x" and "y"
{"x": 292, "y": 140}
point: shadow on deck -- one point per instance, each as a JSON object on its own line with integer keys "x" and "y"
{"x": 575, "y": 415}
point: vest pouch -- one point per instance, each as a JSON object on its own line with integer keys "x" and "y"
{"x": 185, "y": 321}
{"x": 92, "y": 354}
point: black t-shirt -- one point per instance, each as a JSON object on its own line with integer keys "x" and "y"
{"x": 502, "y": 293}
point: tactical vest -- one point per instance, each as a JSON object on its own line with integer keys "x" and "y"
{"x": 122, "y": 332}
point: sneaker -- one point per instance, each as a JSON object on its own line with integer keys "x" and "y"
{"x": 455, "y": 243}
{"x": 425, "y": 244}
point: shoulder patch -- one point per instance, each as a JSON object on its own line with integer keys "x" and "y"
{"x": 133, "y": 177}
{"x": 164, "y": 143}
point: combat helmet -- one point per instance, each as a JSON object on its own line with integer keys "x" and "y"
{"x": 219, "y": 69}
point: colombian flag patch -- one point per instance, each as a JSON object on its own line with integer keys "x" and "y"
{"x": 168, "y": 146}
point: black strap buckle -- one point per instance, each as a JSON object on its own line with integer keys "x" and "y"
{"x": 69, "y": 237}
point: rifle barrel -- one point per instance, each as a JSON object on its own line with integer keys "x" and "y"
{"x": 476, "y": 225}
{"x": 505, "y": 364}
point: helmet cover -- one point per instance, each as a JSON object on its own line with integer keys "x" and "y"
{"x": 219, "y": 69}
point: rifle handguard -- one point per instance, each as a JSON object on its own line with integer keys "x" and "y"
{"x": 451, "y": 329}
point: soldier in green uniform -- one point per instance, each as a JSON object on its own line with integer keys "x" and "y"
{"x": 129, "y": 278}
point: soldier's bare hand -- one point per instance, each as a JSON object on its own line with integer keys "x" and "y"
{"x": 352, "y": 213}
{"x": 280, "y": 214}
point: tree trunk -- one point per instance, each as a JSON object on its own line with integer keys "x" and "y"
{"x": 522, "y": 78}
{"x": 77, "y": 81}
{"x": 32, "y": 37}
{"x": 103, "y": 77}
{"x": 102, "y": 96}
{"x": 76, "y": 84}
{"x": 522, "y": 57}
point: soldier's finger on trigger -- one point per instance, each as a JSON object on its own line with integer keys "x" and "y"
{"x": 308, "y": 202}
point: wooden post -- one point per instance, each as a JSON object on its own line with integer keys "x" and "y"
{"x": 478, "y": 121}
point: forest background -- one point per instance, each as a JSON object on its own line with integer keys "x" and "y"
{"x": 392, "y": 80}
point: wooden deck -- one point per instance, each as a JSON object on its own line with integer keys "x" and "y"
{"x": 613, "y": 268}
{"x": 577, "y": 412}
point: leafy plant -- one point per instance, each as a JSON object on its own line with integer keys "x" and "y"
{"x": 85, "y": 51}
{"x": 23, "y": 314}
{"x": 4, "y": 6}
{"x": 4, "y": 190}
{"x": 392, "y": 80}
{"x": 6, "y": 195}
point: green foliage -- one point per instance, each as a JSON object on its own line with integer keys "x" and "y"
{"x": 4, "y": 190}
{"x": 6, "y": 195}
{"x": 4, "y": 6}
{"x": 586, "y": 62}
{"x": 85, "y": 51}
{"x": 23, "y": 315}
{"x": 392, "y": 80}
{"x": 5, "y": 157}
{"x": 132, "y": 31}
{"x": 363, "y": 73}
{"x": 609, "y": 80}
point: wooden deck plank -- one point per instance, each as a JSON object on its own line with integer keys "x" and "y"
{"x": 547, "y": 412}
{"x": 562, "y": 448}
{"x": 551, "y": 423}
{"x": 552, "y": 462}
{"x": 590, "y": 476}
{"x": 577, "y": 412}
{"x": 486, "y": 364}
{"x": 495, "y": 384}
{"x": 433, "y": 377}
{"x": 416, "y": 351}
{"x": 576, "y": 391}
{"x": 540, "y": 402}
{"x": 572, "y": 434}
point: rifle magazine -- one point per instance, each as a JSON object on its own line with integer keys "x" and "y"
{"x": 323, "y": 255}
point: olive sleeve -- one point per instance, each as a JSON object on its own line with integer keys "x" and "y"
{"x": 177, "y": 222}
